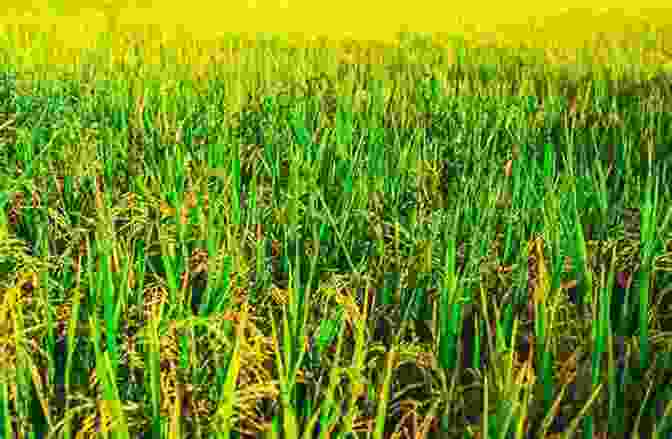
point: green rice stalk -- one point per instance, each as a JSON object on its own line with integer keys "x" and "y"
{"x": 544, "y": 347}
{"x": 140, "y": 266}
{"x": 510, "y": 390}
{"x": 235, "y": 172}
{"x": 106, "y": 373}
{"x": 339, "y": 235}
{"x": 228, "y": 396}
{"x": 447, "y": 331}
{"x": 391, "y": 359}
{"x": 569, "y": 433}
{"x": 549, "y": 164}
{"x": 213, "y": 243}
{"x": 72, "y": 327}
{"x": 602, "y": 193}
{"x": 614, "y": 407}
{"x": 355, "y": 372}
{"x": 485, "y": 420}
{"x": 253, "y": 219}
{"x": 287, "y": 380}
{"x": 22, "y": 382}
{"x": 169, "y": 258}
{"x": 648, "y": 218}
{"x": 44, "y": 280}
{"x": 5, "y": 419}
{"x": 109, "y": 301}
{"x": 584, "y": 275}
{"x": 485, "y": 323}
{"x": 153, "y": 361}
{"x": 329, "y": 409}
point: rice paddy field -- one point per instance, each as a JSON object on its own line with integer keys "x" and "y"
{"x": 431, "y": 235}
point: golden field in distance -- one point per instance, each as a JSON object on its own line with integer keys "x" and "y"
{"x": 557, "y": 29}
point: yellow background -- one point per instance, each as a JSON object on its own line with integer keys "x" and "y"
{"x": 568, "y": 25}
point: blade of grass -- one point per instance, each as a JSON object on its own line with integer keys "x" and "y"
{"x": 228, "y": 397}
{"x": 111, "y": 403}
{"x": 286, "y": 382}
{"x": 381, "y": 413}
{"x": 648, "y": 240}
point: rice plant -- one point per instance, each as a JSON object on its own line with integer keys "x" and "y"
{"x": 289, "y": 241}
